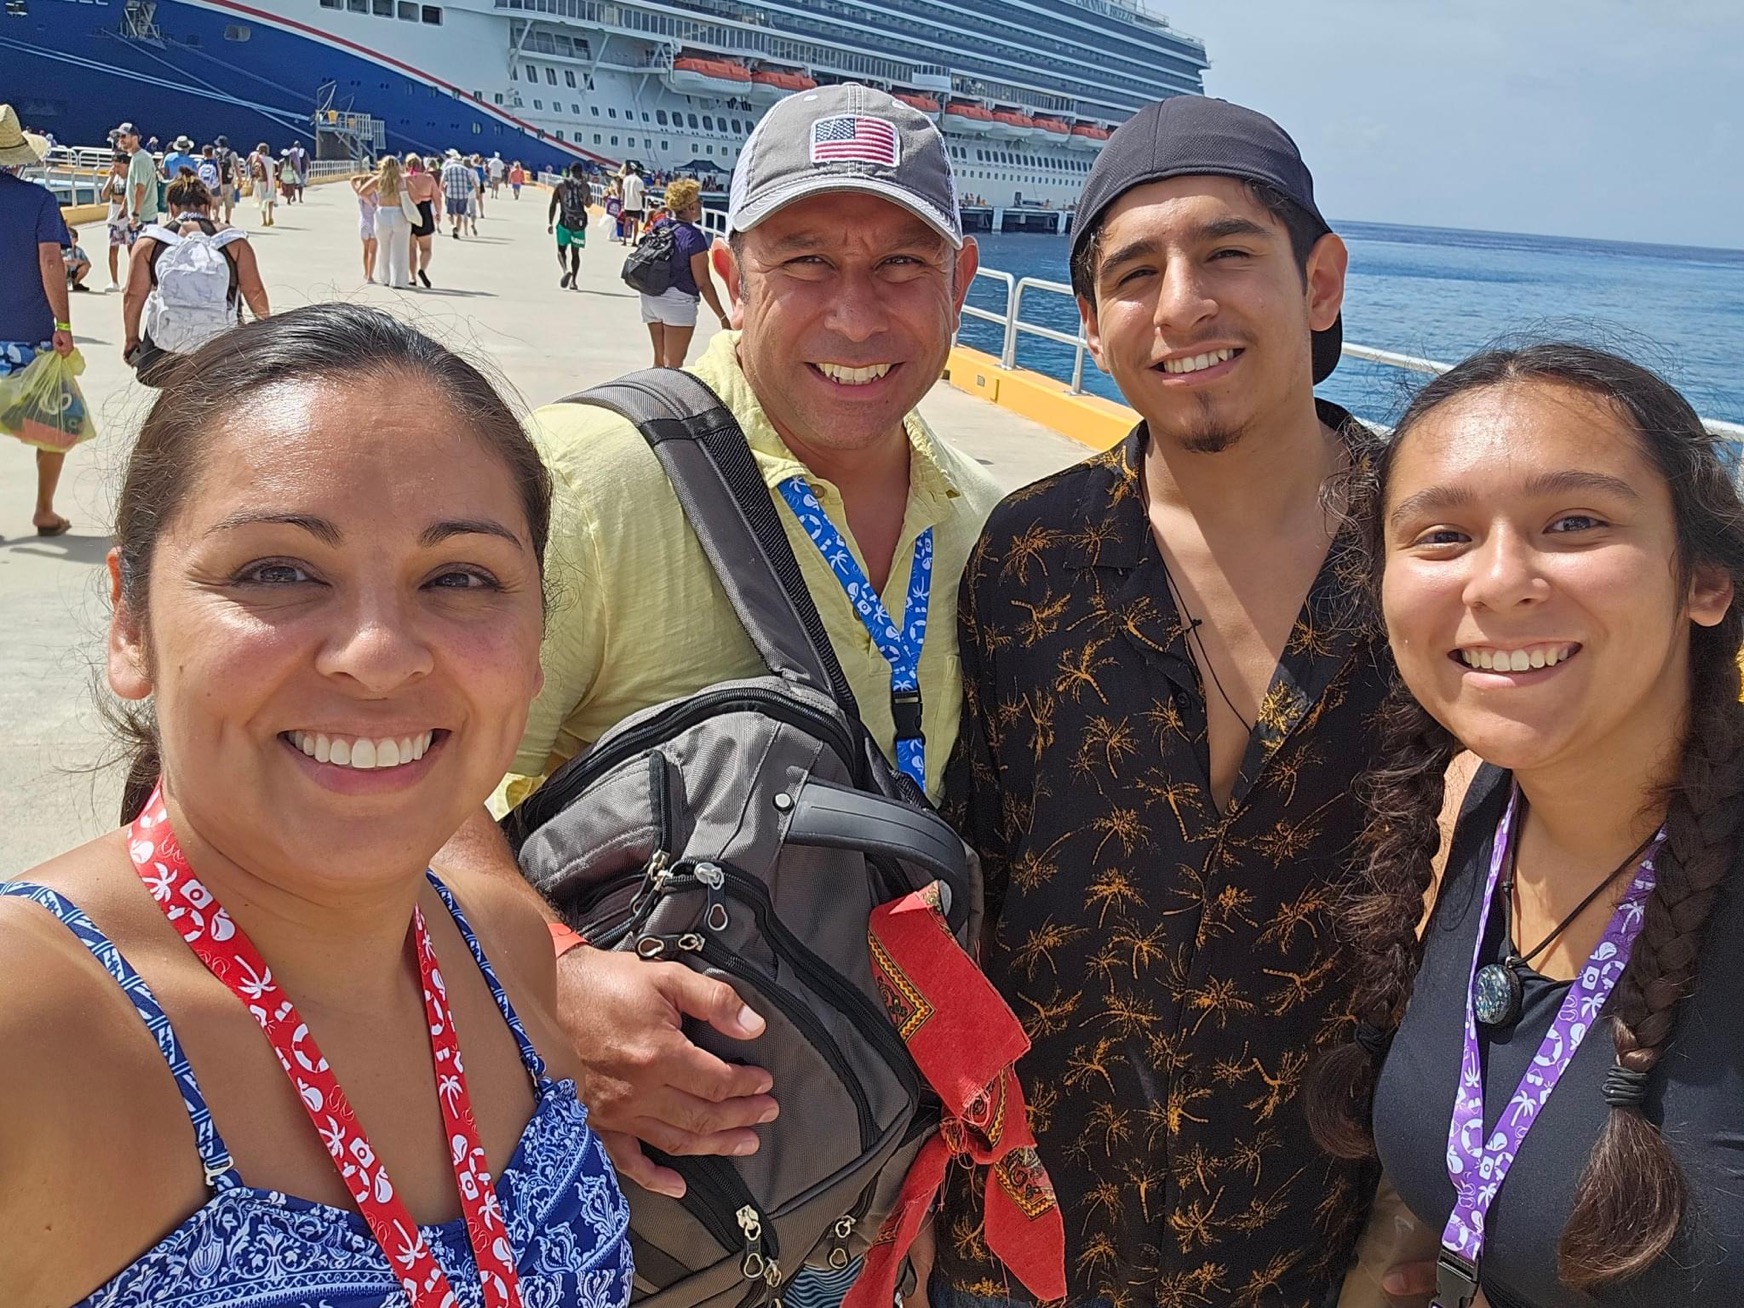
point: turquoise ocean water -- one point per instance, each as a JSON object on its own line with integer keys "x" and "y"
{"x": 1442, "y": 293}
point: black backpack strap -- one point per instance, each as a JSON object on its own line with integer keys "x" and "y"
{"x": 728, "y": 505}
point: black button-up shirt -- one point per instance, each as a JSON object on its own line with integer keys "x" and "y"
{"x": 1175, "y": 967}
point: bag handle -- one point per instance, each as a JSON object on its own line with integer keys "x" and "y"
{"x": 709, "y": 462}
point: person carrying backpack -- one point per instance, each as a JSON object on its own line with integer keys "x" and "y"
{"x": 187, "y": 282}
{"x": 679, "y": 1059}
{"x": 229, "y": 190}
{"x": 567, "y": 216}
{"x": 670, "y": 270}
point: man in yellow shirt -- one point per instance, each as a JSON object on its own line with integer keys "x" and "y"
{"x": 846, "y": 269}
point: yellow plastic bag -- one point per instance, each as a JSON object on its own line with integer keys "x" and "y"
{"x": 42, "y": 405}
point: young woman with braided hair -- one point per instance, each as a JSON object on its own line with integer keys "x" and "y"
{"x": 1557, "y": 548}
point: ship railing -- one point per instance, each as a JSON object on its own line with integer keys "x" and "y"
{"x": 1012, "y": 323}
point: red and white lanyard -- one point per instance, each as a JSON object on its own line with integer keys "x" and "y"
{"x": 232, "y": 958}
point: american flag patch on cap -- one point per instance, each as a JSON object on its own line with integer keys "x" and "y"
{"x": 850, "y": 138}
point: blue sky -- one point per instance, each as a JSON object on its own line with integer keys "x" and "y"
{"x": 1621, "y": 119}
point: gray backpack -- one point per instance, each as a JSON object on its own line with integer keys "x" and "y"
{"x": 748, "y": 831}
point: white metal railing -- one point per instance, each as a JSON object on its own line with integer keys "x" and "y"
{"x": 1011, "y": 322}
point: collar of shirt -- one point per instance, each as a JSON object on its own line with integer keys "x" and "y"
{"x": 932, "y": 492}
{"x": 1334, "y": 619}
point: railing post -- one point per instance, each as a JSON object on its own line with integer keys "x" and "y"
{"x": 1008, "y": 350}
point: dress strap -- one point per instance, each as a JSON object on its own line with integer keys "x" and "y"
{"x": 214, "y": 1155}
{"x": 529, "y": 1055}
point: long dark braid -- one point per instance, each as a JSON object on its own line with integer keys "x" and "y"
{"x": 1631, "y": 1196}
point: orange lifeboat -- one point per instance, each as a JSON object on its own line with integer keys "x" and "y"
{"x": 1088, "y": 136}
{"x": 925, "y": 103}
{"x": 968, "y": 119}
{"x": 771, "y": 84}
{"x": 1053, "y": 129}
{"x": 695, "y": 75}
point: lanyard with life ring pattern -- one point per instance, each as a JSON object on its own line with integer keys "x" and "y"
{"x": 231, "y": 957}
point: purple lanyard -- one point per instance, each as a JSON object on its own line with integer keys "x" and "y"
{"x": 1478, "y": 1167}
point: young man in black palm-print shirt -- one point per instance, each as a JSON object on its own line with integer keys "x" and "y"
{"x": 1168, "y": 692}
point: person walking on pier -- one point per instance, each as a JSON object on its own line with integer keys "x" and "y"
{"x": 263, "y": 171}
{"x": 142, "y": 178}
{"x": 457, "y": 187}
{"x": 181, "y": 155}
{"x": 426, "y": 193}
{"x": 393, "y": 231}
{"x": 34, "y": 313}
{"x": 495, "y": 167}
{"x": 567, "y": 216}
{"x": 635, "y": 195}
{"x": 112, "y": 191}
{"x": 188, "y": 282}
{"x": 836, "y": 349}
{"x": 367, "y": 204}
{"x": 517, "y": 178}
{"x": 671, "y": 315}
{"x": 229, "y": 177}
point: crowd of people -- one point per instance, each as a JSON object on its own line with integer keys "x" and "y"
{"x": 1345, "y": 805}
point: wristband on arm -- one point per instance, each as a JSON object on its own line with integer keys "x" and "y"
{"x": 563, "y": 939}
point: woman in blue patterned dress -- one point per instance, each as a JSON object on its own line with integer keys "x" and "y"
{"x": 329, "y": 616}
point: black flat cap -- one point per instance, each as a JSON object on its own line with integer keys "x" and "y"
{"x": 1193, "y": 135}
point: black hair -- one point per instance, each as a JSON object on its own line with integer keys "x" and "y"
{"x": 1304, "y": 229}
{"x": 317, "y": 342}
{"x": 1630, "y": 1198}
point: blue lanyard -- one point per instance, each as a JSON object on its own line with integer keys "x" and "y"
{"x": 900, "y": 646}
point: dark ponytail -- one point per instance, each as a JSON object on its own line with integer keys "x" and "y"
{"x": 1630, "y": 1199}
{"x": 318, "y": 342}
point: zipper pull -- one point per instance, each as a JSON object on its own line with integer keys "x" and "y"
{"x": 838, "y": 1255}
{"x": 714, "y": 915}
{"x": 754, "y": 1267}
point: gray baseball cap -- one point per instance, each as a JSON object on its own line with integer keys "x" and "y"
{"x": 845, "y": 138}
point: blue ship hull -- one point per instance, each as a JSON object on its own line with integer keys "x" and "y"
{"x": 68, "y": 68}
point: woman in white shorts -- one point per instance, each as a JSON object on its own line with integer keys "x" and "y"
{"x": 671, "y": 315}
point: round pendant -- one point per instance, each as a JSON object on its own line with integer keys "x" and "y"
{"x": 1496, "y": 995}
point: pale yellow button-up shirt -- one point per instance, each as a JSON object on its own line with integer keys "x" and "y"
{"x": 638, "y": 619}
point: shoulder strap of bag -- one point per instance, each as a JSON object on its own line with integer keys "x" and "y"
{"x": 727, "y": 502}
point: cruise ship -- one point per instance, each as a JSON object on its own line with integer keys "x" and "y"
{"x": 1026, "y": 91}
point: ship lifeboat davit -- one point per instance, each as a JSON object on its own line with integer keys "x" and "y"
{"x": 968, "y": 119}
{"x": 1088, "y": 136}
{"x": 925, "y": 103}
{"x": 771, "y": 84}
{"x": 691, "y": 75}
{"x": 1053, "y": 129}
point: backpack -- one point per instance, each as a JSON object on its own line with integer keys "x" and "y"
{"x": 207, "y": 171}
{"x": 193, "y": 295}
{"x": 748, "y": 831}
{"x": 649, "y": 267}
{"x": 572, "y": 199}
{"x": 226, "y": 158}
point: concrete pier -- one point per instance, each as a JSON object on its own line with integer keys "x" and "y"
{"x": 496, "y": 298}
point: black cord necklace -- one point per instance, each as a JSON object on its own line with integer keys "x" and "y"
{"x": 1192, "y": 625}
{"x": 1497, "y": 989}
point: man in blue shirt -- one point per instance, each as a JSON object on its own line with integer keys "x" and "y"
{"x": 181, "y": 156}
{"x": 33, "y": 310}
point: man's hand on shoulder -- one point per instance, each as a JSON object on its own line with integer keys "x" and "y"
{"x": 643, "y": 1079}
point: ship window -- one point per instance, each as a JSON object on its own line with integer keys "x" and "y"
{"x": 594, "y": 110}
{"x": 575, "y": 109}
{"x": 692, "y": 122}
{"x": 596, "y": 139}
{"x": 569, "y": 78}
{"x": 660, "y": 117}
{"x": 513, "y": 75}
{"x": 711, "y": 149}
{"x": 551, "y": 76}
{"x": 611, "y": 113}
{"x": 236, "y": 32}
{"x": 644, "y": 115}
{"x": 708, "y": 124}
{"x": 382, "y": 8}
{"x": 559, "y": 133}
{"x": 479, "y": 96}
{"x": 614, "y": 140}
{"x": 538, "y": 104}
{"x": 499, "y": 97}
{"x": 477, "y": 129}
{"x": 357, "y": 6}
{"x": 332, "y": 4}
{"x": 666, "y": 145}
{"x": 432, "y": 15}
{"x": 407, "y": 11}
